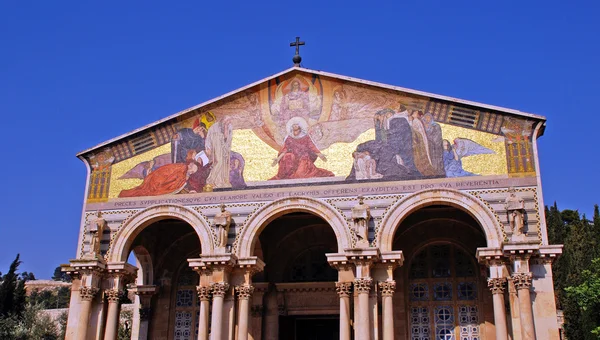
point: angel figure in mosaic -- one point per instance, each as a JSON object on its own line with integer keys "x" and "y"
{"x": 453, "y": 154}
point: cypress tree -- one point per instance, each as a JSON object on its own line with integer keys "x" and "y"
{"x": 8, "y": 288}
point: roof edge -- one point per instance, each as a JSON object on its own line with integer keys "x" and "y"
{"x": 322, "y": 73}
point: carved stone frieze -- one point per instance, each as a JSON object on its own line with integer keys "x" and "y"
{"x": 244, "y": 292}
{"x": 522, "y": 280}
{"x": 219, "y": 289}
{"x": 363, "y": 285}
{"x": 387, "y": 288}
{"x": 343, "y": 289}
{"x": 497, "y": 285}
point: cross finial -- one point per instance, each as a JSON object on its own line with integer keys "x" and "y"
{"x": 297, "y": 59}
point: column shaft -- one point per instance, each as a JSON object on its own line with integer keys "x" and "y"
{"x": 522, "y": 283}
{"x": 218, "y": 291}
{"x": 204, "y": 296}
{"x": 496, "y": 285}
{"x": 87, "y": 295}
{"x": 344, "y": 290}
{"x": 361, "y": 326}
{"x": 244, "y": 293}
{"x": 387, "y": 292}
{"x": 112, "y": 316}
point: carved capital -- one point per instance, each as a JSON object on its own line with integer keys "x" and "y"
{"x": 363, "y": 285}
{"x": 219, "y": 289}
{"x": 257, "y": 311}
{"x": 204, "y": 293}
{"x": 145, "y": 313}
{"x": 113, "y": 295}
{"x": 244, "y": 292}
{"x": 387, "y": 288}
{"x": 344, "y": 289}
{"x": 497, "y": 285}
{"x": 87, "y": 293}
{"x": 522, "y": 280}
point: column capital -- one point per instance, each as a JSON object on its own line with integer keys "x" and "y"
{"x": 387, "y": 288}
{"x": 204, "y": 292}
{"x": 113, "y": 295}
{"x": 363, "y": 285}
{"x": 244, "y": 292}
{"x": 522, "y": 280}
{"x": 87, "y": 293}
{"x": 219, "y": 289}
{"x": 145, "y": 313}
{"x": 256, "y": 310}
{"x": 343, "y": 289}
{"x": 497, "y": 285}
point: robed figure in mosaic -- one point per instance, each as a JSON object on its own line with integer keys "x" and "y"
{"x": 297, "y": 157}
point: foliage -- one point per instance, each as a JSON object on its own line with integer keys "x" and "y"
{"x": 581, "y": 238}
{"x": 587, "y": 297}
{"x": 62, "y": 321}
{"x": 60, "y": 276}
{"x": 12, "y": 291}
{"x": 51, "y": 299}
{"x": 124, "y": 332}
{"x": 32, "y": 324}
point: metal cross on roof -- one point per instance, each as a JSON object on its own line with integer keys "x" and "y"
{"x": 297, "y": 59}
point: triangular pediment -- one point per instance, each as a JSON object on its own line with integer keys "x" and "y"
{"x": 309, "y": 127}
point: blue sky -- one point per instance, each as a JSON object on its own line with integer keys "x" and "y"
{"x": 74, "y": 74}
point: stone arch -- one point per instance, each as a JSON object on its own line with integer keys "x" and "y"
{"x": 454, "y": 198}
{"x": 138, "y": 222}
{"x": 244, "y": 244}
{"x": 145, "y": 273}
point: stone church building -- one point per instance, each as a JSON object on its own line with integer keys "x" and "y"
{"x": 310, "y": 205}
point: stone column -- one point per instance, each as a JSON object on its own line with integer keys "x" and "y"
{"x": 144, "y": 293}
{"x": 219, "y": 290}
{"x": 344, "y": 290}
{"x": 522, "y": 283}
{"x": 362, "y": 286}
{"x": 204, "y": 296}
{"x": 387, "y": 292}
{"x": 497, "y": 286}
{"x": 87, "y": 295}
{"x": 244, "y": 292}
{"x": 112, "y": 317}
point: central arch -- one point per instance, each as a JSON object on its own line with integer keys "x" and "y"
{"x": 246, "y": 240}
{"x": 454, "y": 198}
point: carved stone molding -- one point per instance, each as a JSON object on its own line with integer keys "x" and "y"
{"x": 344, "y": 289}
{"x": 204, "y": 293}
{"x": 363, "y": 285}
{"x": 113, "y": 295}
{"x": 522, "y": 280}
{"x": 387, "y": 288}
{"x": 497, "y": 285}
{"x": 219, "y": 289}
{"x": 87, "y": 293}
{"x": 244, "y": 292}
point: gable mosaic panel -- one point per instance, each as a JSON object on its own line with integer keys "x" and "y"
{"x": 304, "y": 129}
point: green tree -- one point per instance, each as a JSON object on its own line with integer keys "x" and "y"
{"x": 587, "y": 297}
{"x": 60, "y": 276}
{"x": 12, "y": 291}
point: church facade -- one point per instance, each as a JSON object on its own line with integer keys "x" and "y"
{"x": 310, "y": 205}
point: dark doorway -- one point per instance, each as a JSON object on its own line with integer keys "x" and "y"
{"x": 309, "y": 327}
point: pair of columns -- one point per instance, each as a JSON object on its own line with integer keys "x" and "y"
{"x": 362, "y": 287}
{"x": 522, "y": 282}
{"x": 218, "y": 291}
{"x": 113, "y": 296}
